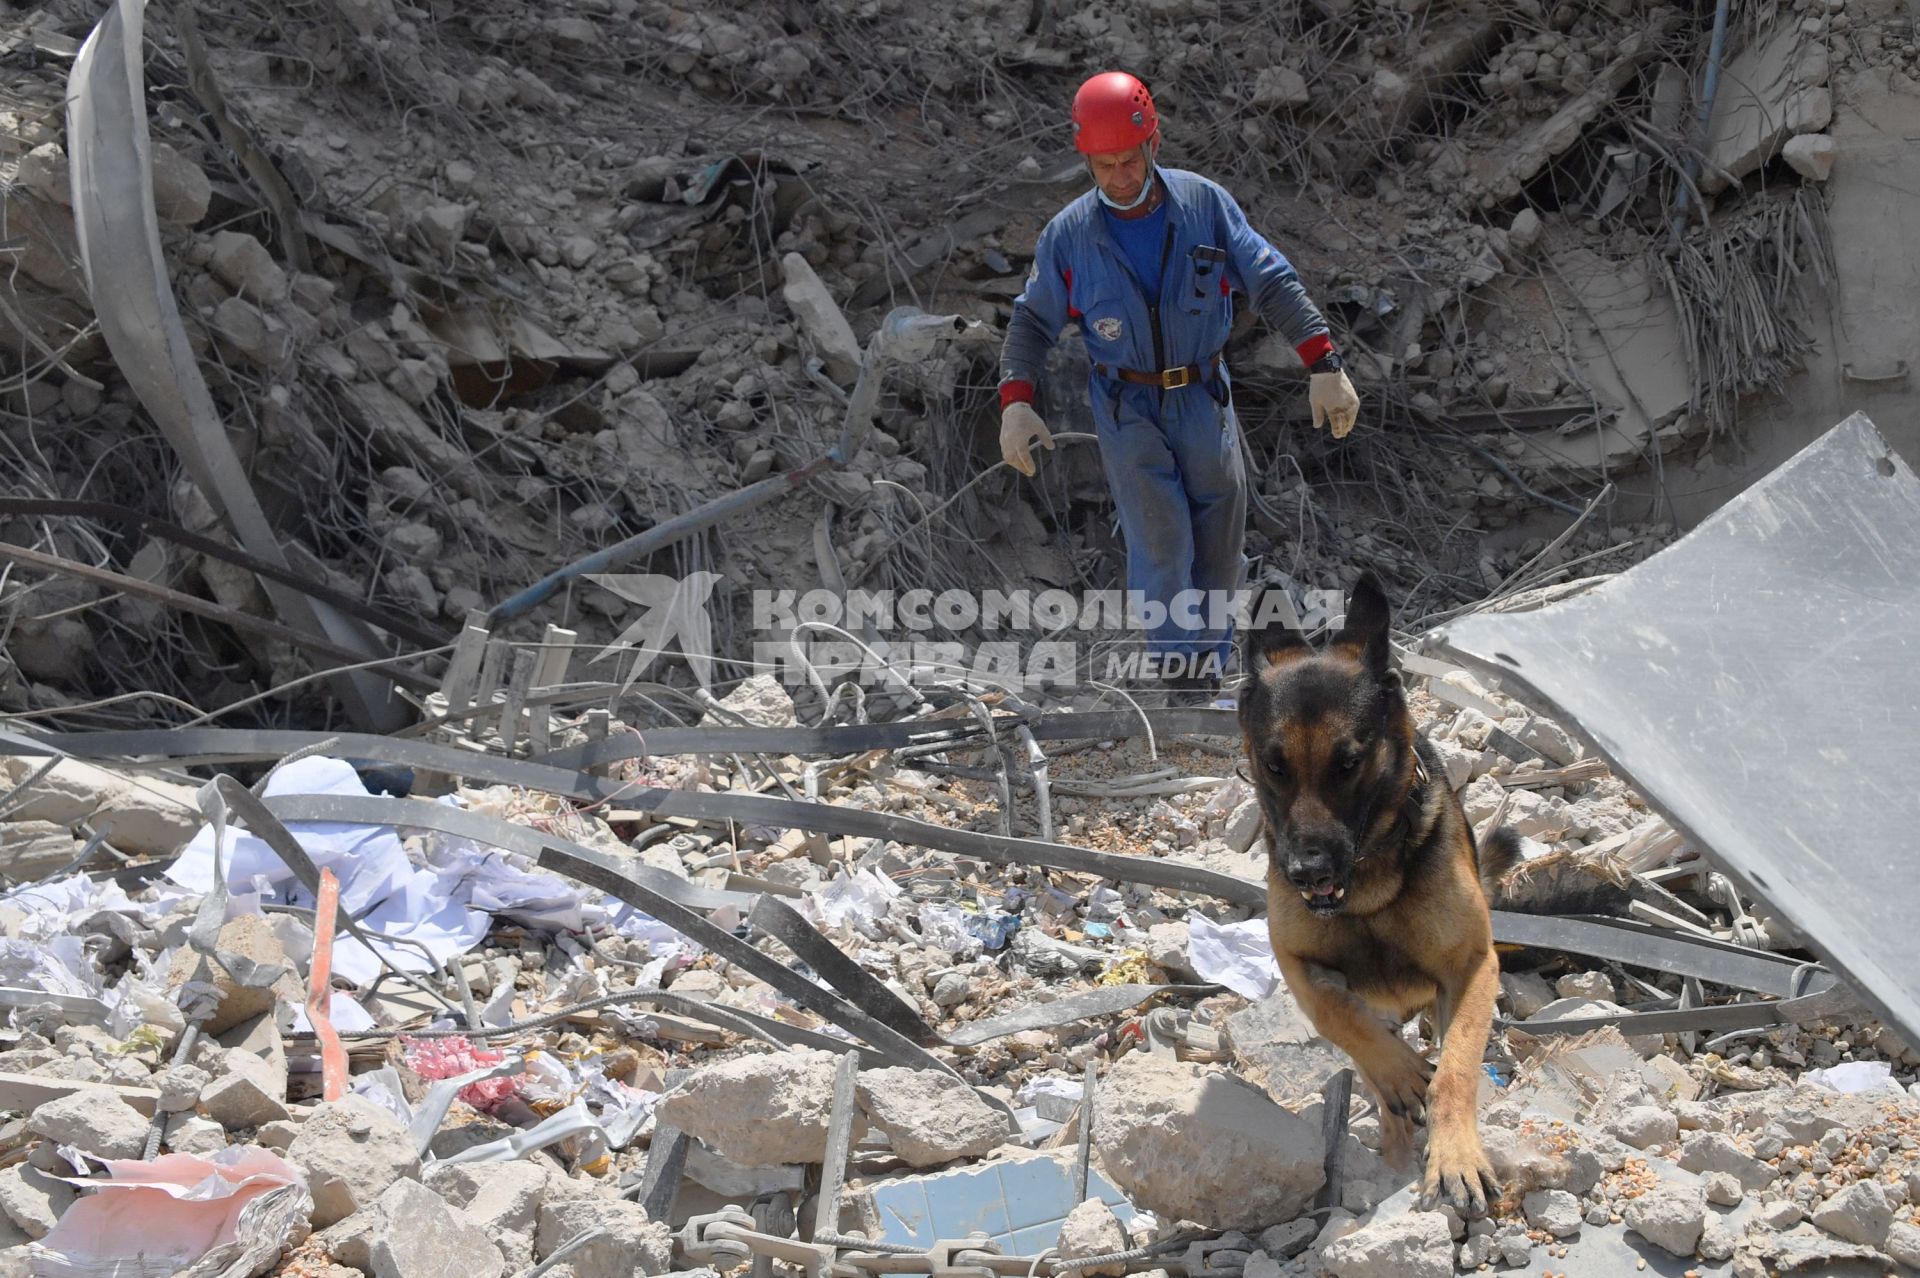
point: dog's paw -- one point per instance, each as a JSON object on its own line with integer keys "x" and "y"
{"x": 1396, "y": 1141}
{"x": 1458, "y": 1174}
{"x": 1399, "y": 1078}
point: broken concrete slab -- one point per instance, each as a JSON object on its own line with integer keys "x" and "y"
{"x": 1498, "y": 175}
{"x": 1414, "y": 1245}
{"x": 416, "y": 1234}
{"x": 181, "y": 192}
{"x": 192, "y": 1134}
{"x": 261, "y": 337}
{"x": 1526, "y": 993}
{"x": 250, "y": 1094}
{"x": 1868, "y": 207}
{"x": 1903, "y": 1244}
{"x": 497, "y": 1195}
{"x": 1555, "y": 1211}
{"x": 1203, "y": 1146}
{"x": 352, "y": 1151}
{"x": 821, "y": 319}
{"x": 1573, "y": 1009}
{"x": 402, "y": 437}
{"x": 1769, "y": 91}
{"x": 1630, "y": 350}
{"x": 502, "y": 1198}
{"x": 1643, "y": 1126}
{"x": 930, "y": 1117}
{"x": 243, "y": 264}
{"x": 759, "y": 1110}
{"x": 1277, "y": 1047}
{"x": 1167, "y": 945}
{"x": 33, "y": 1200}
{"x": 632, "y": 1243}
{"x": 93, "y": 1124}
{"x": 1091, "y": 1229}
{"x": 1670, "y": 1217}
{"x": 248, "y": 936}
{"x": 1806, "y": 1247}
{"x": 1709, "y": 1152}
{"x": 32, "y": 850}
{"x": 1810, "y": 155}
{"x": 1627, "y": 665}
{"x": 1860, "y": 1213}
{"x": 154, "y": 818}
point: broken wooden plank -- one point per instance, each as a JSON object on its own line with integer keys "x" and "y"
{"x": 463, "y": 668}
{"x": 523, "y": 663}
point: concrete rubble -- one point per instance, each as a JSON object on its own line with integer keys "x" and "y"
{"x": 1216, "y": 1119}
{"x": 1206, "y": 1147}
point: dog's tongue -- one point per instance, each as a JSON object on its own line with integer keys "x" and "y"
{"x": 1324, "y": 891}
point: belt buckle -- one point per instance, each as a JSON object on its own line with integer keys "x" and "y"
{"x": 1175, "y": 378}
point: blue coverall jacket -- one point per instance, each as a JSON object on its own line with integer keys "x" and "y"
{"x": 1172, "y": 457}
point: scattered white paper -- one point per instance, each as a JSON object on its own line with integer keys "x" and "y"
{"x": 443, "y": 903}
{"x": 383, "y": 1087}
{"x": 1236, "y": 955}
{"x": 348, "y": 1016}
{"x": 859, "y": 899}
{"x": 1071, "y": 1089}
{"x": 378, "y": 884}
{"x": 1855, "y": 1076}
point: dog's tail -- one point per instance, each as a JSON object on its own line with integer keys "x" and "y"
{"x": 1556, "y": 882}
{"x": 1499, "y": 854}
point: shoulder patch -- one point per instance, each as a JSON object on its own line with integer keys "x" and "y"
{"x": 1109, "y": 328}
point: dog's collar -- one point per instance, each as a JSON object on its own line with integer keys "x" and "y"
{"x": 1410, "y": 807}
{"x": 1416, "y": 797}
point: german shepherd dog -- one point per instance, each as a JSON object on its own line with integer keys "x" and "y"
{"x": 1376, "y": 893}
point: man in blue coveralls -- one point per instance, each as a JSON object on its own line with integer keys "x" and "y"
{"x": 1147, "y": 262}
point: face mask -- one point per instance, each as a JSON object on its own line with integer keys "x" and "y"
{"x": 1146, "y": 189}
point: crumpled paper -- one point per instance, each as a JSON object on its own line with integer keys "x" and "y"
{"x": 1236, "y": 955}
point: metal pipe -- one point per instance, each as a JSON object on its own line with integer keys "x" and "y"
{"x": 1716, "y": 48}
{"x": 658, "y": 537}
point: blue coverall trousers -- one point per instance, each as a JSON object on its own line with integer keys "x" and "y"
{"x": 1172, "y": 460}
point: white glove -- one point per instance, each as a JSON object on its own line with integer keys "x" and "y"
{"x": 1332, "y": 399}
{"x": 1020, "y": 426}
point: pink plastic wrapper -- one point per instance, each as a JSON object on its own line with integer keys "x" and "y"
{"x": 169, "y": 1213}
{"x": 437, "y": 1058}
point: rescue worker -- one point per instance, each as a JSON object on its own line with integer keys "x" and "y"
{"x": 1147, "y": 262}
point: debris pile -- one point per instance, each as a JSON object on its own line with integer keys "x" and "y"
{"x": 638, "y": 1041}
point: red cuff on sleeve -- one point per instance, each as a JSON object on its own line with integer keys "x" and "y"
{"x": 1310, "y": 350}
{"x": 1015, "y": 391}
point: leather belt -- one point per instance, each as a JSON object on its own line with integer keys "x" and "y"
{"x": 1166, "y": 378}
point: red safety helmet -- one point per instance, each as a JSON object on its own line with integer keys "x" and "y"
{"x": 1113, "y": 112}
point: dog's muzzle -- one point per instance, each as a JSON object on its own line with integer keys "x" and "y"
{"x": 1316, "y": 874}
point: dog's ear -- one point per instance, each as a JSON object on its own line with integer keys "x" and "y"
{"x": 1273, "y": 634}
{"x": 1367, "y": 622}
